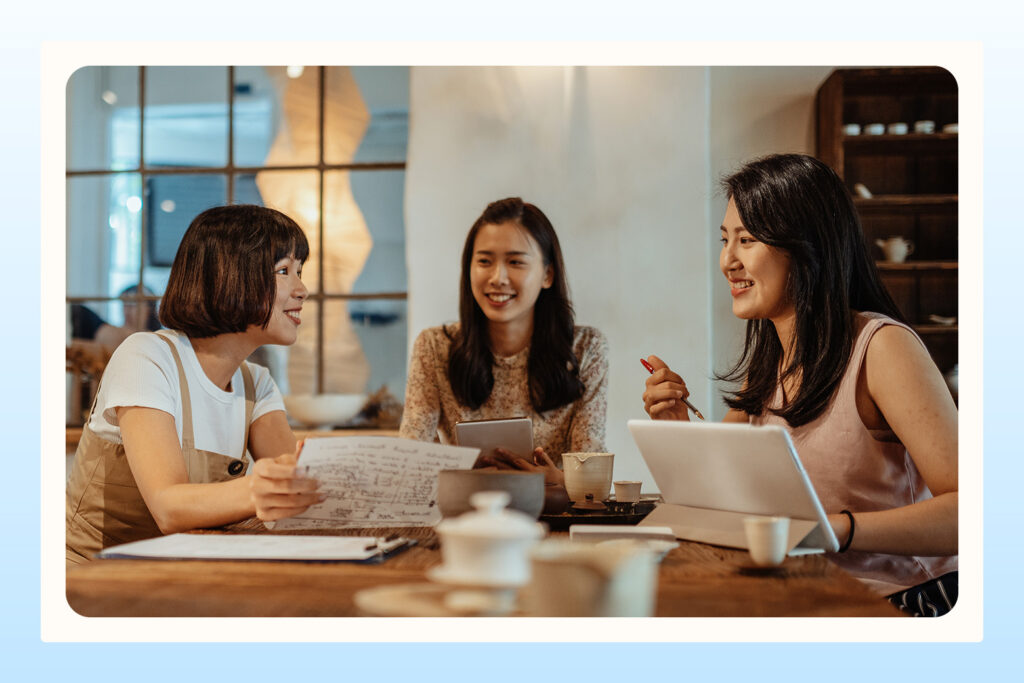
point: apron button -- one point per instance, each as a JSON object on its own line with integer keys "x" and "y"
{"x": 235, "y": 468}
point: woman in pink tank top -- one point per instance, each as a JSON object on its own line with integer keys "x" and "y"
{"x": 829, "y": 356}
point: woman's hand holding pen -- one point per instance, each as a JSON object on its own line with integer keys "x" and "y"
{"x": 663, "y": 398}
{"x": 280, "y": 487}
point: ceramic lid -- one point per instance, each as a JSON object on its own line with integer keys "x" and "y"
{"x": 492, "y": 519}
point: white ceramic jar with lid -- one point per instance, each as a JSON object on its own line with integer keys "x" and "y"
{"x": 488, "y": 546}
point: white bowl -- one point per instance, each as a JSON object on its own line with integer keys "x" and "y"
{"x": 323, "y": 411}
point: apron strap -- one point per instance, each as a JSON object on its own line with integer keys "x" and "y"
{"x": 250, "y": 403}
{"x": 187, "y": 433}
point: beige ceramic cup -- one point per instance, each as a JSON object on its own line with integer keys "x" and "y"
{"x": 612, "y": 579}
{"x": 767, "y": 539}
{"x": 588, "y": 473}
{"x": 627, "y": 491}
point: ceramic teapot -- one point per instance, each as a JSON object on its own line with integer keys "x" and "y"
{"x": 896, "y": 249}
{"x": 489, "y": 546}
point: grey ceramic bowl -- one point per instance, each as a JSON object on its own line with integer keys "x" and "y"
{"x": 454, "y": 487}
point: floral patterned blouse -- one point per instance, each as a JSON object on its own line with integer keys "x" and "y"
{"x": 431, "y": 409}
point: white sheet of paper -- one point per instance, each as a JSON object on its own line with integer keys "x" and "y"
{"x": 375, "y": 481}
{"x": 247, "y": 547}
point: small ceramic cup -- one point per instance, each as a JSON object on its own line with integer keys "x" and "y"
{"x": 924, "y": 126}
{"x": 851, "y": 129}
{"x": 874, "y": 129}
{"x": 627, "y": 491}
{"x": 898, "y": 128}
{"x": 767, "y": 539}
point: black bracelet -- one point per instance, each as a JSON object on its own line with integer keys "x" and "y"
{"x": 853, "y": 525}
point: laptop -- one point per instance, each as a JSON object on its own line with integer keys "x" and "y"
{"x": 712, "y": 475}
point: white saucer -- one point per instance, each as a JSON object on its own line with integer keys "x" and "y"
{"x": 446, "y": 575}
{"x": 429, "y": 600}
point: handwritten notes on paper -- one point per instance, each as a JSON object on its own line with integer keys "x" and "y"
{"x": 375, "y": 481}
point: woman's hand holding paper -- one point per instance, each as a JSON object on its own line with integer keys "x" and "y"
{"x": 280, "y": 489}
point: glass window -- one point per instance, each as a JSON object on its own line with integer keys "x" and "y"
{"x": 208, "y": 136}
{"x": 103, "y": 118}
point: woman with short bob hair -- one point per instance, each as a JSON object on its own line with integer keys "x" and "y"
{"x": 829, "y": 357}
{"x": 516, "y": 350}
{"x": 179, "y": 411}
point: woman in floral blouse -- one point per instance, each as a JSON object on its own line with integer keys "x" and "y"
{"x": 516, "y": 350}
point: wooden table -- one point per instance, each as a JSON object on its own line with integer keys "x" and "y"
{"x": 695, "y": 580}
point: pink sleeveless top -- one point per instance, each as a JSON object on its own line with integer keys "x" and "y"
{"x": 859, "y": 469}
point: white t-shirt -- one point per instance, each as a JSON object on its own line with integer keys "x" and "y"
{"x": 142, "y": 372}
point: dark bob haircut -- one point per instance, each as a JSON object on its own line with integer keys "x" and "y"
{"x": 222, "y": 279}
{"x": 798, "y": 204}
{"x": 552, "y": 366}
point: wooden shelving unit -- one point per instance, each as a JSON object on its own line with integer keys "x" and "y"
{"x": 912, "y": 179}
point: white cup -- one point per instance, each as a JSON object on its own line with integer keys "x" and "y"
{"x": 767, "y": 539}
{"x": 588, "y": 473}
{"x": 898, "y": 128}
{"x": 851, "y": 129}
{"x": 627, "y": 491}
{"x": 611, "y": 579}
{"x": 896, "y": 249}
{"x": 874, "y": 129}
{"x": 924, "y": 126}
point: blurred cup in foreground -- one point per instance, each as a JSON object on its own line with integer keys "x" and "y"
{"x": 767, "y": 539}
{"x": 611, "y": 579}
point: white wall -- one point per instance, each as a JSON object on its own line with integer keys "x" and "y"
{"x": 625, "y": 162}
{"x": 616, "y": 157}
{"x": 754, "y": 111}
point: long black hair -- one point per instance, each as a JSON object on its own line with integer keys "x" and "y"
{"x": 797, "y": 203}
{"x": 552, "y": 366}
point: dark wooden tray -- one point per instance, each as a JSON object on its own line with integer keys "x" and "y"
{"x": 617, "y": 513}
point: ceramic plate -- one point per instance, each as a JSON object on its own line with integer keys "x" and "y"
{"x": 445, "y": 575}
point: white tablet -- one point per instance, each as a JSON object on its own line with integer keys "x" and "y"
{"x": 712, "y": 475}
{"x": 514, "y": 434}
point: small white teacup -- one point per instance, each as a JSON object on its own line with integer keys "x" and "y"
{"x": 926, "y": 126}
{"x": 627, "y": 491}
{"x": 767, "y": 539}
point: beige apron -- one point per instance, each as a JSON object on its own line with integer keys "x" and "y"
{"x": 104, "y": 507}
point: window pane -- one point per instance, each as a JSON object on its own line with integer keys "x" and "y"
{"x": 297, "y": 195}
{"x": 103, "y": 118}
{"x": 385, "y": 92}
{"x": 186, "y": 121}
{"x": 85, "y": 318}
{"x": 347, "y": 239}
{"x": 364, "y": 348}
{"x": 366, "y": 114}
{"x": 277, "y": 116}
{"x": 103, "y": 233}
{"x": 382, "y": 326}
{"x": 380, "y": 196}
{"x": 302, "y": 355}
{"x": 172, "y": 202}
